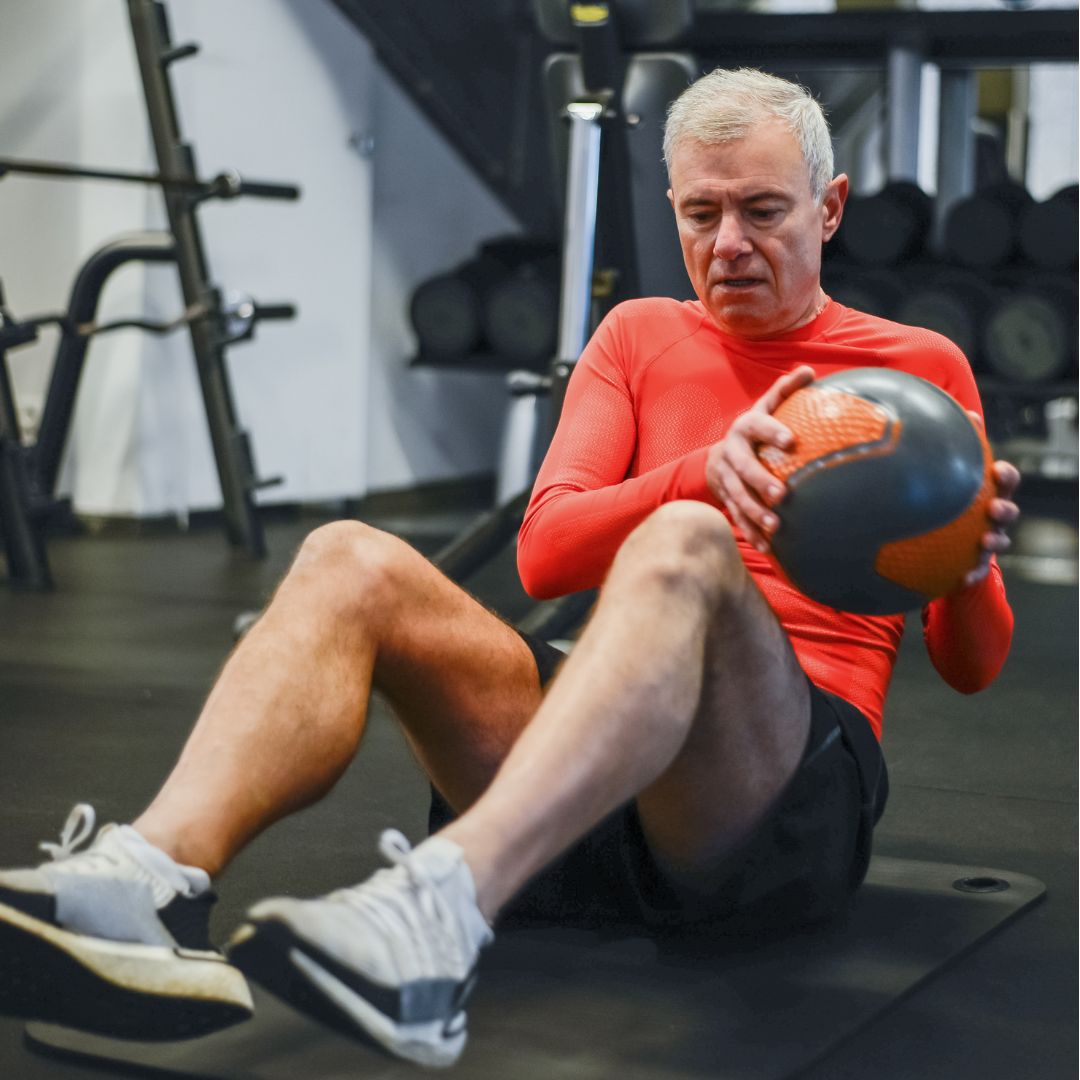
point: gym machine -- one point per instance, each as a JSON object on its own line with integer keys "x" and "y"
{"x": 611, "y": 103}
{"x": 28, "y": 474}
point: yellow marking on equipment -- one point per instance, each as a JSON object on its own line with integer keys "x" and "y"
{"x": 589, "y": 13}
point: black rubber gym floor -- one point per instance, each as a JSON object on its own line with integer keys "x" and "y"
{"x": 101, "y": 679}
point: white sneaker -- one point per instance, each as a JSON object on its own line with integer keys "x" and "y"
{"x": 391, "y": 961}
{"x": 114, "y": 939}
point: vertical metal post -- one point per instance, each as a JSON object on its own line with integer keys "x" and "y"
{"x": 956, "y": 143}
{"x": 232, "y": 449}
{"x": 579, "y": 243}
{"x": 579, "y": 228}
{"x": 903, "y": 93}
{"x": 24, "y": 546}
{"x": 1017, "y": 122}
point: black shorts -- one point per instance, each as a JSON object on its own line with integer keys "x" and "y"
{"x": 800, "y": 866}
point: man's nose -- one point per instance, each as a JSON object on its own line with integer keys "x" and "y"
{"x": 731, "y": 239}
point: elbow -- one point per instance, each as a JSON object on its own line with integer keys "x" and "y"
{"x": 536, "y": 577}
{"x": 538, "y": 587}
{"x": 967, "y": 687}
{"x": 972, "y": 681}
{"x": 530, "y": 583}
{"x": 538, "y": 570}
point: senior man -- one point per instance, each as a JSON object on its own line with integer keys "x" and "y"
{"x": 707, "y": 756}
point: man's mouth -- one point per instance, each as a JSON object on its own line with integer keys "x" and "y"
{"x": 737, "y": 282}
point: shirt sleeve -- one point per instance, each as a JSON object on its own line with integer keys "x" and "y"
{"x": 969, "y": 632}
{"x": 584, "y": 503}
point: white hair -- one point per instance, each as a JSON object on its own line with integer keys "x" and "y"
{"x": 725, "y": 105}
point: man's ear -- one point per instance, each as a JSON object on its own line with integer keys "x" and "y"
{"x": 671, "y": 198}
{"x": 832, "y": 206}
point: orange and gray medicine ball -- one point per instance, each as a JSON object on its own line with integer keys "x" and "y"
{"x": 889, "y": 485}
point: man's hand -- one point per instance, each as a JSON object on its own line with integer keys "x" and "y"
{"x": 734, "y": 473}
{"x": 1002, "y": 513}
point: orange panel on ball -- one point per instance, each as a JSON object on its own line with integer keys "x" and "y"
{"x": 936, "y": 562}
{"x": 830, "y": 427}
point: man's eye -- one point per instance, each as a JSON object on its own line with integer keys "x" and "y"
{"x": 764, "y": 215}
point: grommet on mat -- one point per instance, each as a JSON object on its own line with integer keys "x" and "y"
{"x": 980, "y": 884}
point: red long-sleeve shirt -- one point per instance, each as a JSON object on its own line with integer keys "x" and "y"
{"x": 659, "y": 384}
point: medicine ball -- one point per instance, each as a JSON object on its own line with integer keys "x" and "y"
{"x": 889, "y": 482}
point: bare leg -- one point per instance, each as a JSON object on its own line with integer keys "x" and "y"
{"x": 683, "y": 690}
{"x": 655, "y": 700}
{"x": 358, "y": 608}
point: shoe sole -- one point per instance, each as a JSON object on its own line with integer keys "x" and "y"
{"x": 123, "y": 990}
{"x": 272, "y": 955}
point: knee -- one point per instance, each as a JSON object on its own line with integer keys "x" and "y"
{"x": 351, "y": 567}
{"x": 683, "y": 545}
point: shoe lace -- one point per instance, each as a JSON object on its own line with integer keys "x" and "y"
{"x": 76, "y": 831}
{"x": 412, "y": 908}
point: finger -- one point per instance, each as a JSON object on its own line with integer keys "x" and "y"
{"x": 746, "y": 526}
{"x": 746, "y": 511}
{"x": 976, "y": 418}
{"x": 784, "y": 387}
{"x": 754, "y": 537}
{"x": 1007, "y": 477}
{"x": 982, "y": 567}
{"x": 761, "y": 429}
{"x": 995, "y": 542}
{"x": 764, "y": 486}
{"x": 1002, "y": 512}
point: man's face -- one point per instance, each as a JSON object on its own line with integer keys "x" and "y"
{"x": 750, "y": 230}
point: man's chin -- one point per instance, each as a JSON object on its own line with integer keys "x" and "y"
{"x": 747, "y": 315}
{"x": 742, "y": 320}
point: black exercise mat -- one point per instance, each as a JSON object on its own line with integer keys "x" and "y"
{"x": 558, "y": 1003}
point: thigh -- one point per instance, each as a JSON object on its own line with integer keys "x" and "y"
{"x": 461, "y": 681}
{"x": 802, "y": 863}
{"x": 747, "y": 738}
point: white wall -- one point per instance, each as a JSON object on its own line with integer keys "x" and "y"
{"x": 45, "y": 225}
{"x": 1052, "y": 136}
{"x": 430, "y": 213}
{"x": 277, "y": 92}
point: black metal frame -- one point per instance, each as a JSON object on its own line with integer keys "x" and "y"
{"x": 29, "y": 473}
{"x": 24, "y": 545}
{"x": 46, "y": 454}
{"x": 604, "y": 70}
{"x": 970, "y": 38}
{"x": 232, "y": 445}
{"x": 226, "y": 185}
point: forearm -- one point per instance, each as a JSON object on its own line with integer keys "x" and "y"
{"x": 968, "y": 633}
{"x": 571, "y": 533}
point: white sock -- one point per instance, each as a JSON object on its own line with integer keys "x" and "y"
{"x": 188, "y": 881}
{"x": 451, "y": 862}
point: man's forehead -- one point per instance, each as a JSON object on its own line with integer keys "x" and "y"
{"x": 763, "y": 160}
{"x": 751, "y": 186}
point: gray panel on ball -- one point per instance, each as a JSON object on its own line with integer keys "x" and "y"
{"x": 834, "y": 520}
